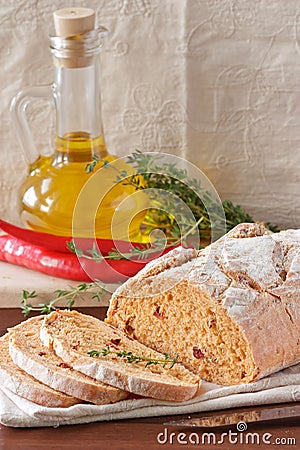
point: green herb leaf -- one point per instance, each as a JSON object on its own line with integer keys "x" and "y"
{"x": 89, "y": 168}
{"x": 130, "y": 357}
{"x": 60, "y": 294}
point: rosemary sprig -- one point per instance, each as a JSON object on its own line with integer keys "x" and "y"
{"x": 130, "y": 357}
{"x": 60, "y": 294}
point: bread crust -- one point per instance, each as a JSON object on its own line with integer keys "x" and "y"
{"x": 248, "y": 281}
{"x": 176, "y": 384}
{"x": 22, "y": 384}
{"x": 44, "y": 365}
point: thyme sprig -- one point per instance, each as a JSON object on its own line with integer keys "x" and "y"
{"x": 90, "y": 167}
{"x": 130, "y": 357}
{"x": 94, "y": 254}
{"x": 162, "y": 214}
{"x": 166, "y": 177}
{"x": 137, "y": 253}
{"x": 60, "y": 294}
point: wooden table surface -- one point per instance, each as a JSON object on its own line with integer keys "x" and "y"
{"x": 141, "y": 434}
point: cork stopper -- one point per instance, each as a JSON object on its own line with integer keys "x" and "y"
{"x": 70, "y": 25}
{"x": 73, "y": 21}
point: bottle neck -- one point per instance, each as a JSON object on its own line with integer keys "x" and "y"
{"x": 78, "y": 107}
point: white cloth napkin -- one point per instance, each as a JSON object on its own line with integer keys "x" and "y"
{"x": 281, "y": 387}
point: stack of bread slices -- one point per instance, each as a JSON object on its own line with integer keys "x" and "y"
{"x": 67, "y": 358}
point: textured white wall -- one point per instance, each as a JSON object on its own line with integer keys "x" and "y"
{"x": 216, "y": 81}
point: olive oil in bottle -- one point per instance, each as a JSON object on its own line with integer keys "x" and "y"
{"x": 56, "y": 185}
{"x": 50, "y": 192}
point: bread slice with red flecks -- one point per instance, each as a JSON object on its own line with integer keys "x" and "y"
{"x": 110, "y": 356}
{"x": 28, "y": 353}
{"x": 19, "y": 382}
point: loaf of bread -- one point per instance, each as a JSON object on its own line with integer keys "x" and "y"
{"x": 230, "y": 311}
{"x": 29, "y": 354}
{"x": 108, "y": 355}
{"x": 24, "y": 385}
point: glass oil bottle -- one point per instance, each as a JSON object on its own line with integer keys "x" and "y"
{"x": 54, "y": 183}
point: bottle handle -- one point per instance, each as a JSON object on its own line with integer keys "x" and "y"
{"x": 18, "y": 108}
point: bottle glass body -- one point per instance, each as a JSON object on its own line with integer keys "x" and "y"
{"x": 51, "y": 189}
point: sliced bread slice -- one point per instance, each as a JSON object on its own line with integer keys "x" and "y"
{"x": 107, "y": 354}
{"x": 28, "y": 353}
{"x": 22, "y": 384}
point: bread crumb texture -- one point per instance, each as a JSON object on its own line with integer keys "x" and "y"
{"x": 19, "y": 382}
{"x": 230, "y": 311}
{"x": 29, "y": 354}
{"x": 73, "y": 335}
